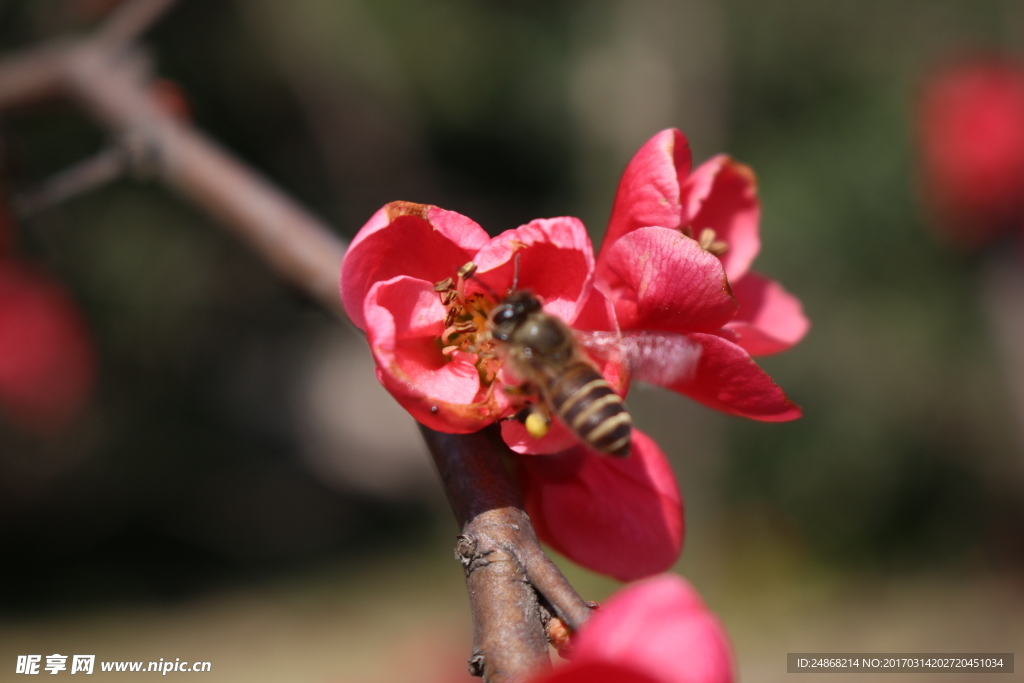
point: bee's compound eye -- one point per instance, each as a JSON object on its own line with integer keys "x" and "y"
{"x": 505, "y": 314}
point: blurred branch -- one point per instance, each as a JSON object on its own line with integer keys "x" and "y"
{"x": 131, "y": 19}
{"x": 511, "y": 582}
{"x": 87, "y": 175}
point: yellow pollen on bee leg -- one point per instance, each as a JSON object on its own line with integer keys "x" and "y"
{"x": 537, "y": 425}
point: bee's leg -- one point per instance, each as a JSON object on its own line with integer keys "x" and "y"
{"x": 534, "y": 414}
{"x": 522, "y": 414}
{"x": 522, "y": 390}
{"x": 536, "y": 418}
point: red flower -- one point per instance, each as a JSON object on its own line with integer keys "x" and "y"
{"x": 972, "y": 147}
{"x": 46, "y": 358}
{"x": 677, "y": 257}
{"x": 656, "y": 631}
{"x": 426, "y": 324}
{"x": 623, "y": 518}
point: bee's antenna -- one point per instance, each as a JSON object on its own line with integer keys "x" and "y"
{"x": 468, "y": 272}
{"x": 515, "y": 276}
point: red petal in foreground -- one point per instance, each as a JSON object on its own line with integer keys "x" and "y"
{"x": 403, "y": 238}
{"x": 46, "y": 358}
{"x": 727, "y": 379}
{"x": 648, "y": 193}
{"x": 658, "y": 279}
{"x": 721, "y": 195}
{"x": 770, "y": 319}
{"x": 659, "y": 628}
{"x": 404, "y": 319}
{"x": 620, "y": 517}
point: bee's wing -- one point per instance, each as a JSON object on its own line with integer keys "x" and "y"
{"x": 662, "y": 358}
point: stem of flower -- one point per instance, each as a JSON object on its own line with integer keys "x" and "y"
{"x": 508, "y": 636}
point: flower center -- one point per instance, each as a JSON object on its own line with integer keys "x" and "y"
{"x": 465, "y": 323}
{"x": 707, "y": 240}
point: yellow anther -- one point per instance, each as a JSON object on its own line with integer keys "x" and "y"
{"x": 707, "y": 236}
{"x": 708, "y": 242}
{"x": 467, "y": 270}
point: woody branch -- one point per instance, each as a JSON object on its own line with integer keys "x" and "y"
{"x": 513, "y": 586}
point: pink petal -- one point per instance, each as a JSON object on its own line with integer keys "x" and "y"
{"x": 403, "y": 238}
{"x": 770, "y": 319}
{"x": 558, "y": 438}
{"x": 597, "y": 314}
{"x": 556, "y": 263}
{"x": 659, "y": 279}
{"x": 649, "y": 192}
{"x": 596, "y": 672}
{"x": 47, "y": 363}
{"x": 404, "y": 319}
{"x": 659, "y": 627}
{"x": 722, "y": 195}
{"x": 727, "y": 379}
{"x": 620, "y": 517}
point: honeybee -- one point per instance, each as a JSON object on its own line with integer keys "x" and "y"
{"x": 542, "y": 350}
{"x": 549, "y": 357}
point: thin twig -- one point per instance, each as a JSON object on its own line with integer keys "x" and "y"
{"x": 293, "y": 241}
{"x": 87, "y": 175}
{"x": 130, "y": 20}
{"x": 32, "y": 75}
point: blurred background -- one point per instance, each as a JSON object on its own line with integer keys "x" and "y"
{"x": 236, "y": 487}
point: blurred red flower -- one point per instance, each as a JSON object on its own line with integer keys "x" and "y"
{"x": 46, "y": 356}
{"x": 657, "y": 273}
{"x": 971, "y": 128}
{"x": 655, "y": 631}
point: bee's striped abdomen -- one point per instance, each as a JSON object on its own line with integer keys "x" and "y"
{"x": 585, "y": 402}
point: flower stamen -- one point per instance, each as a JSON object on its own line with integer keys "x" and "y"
{"x": 707, "y": 242}
{"x": 465, "y": 323}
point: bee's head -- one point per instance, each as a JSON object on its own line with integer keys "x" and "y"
{"x": 513, "y": 310}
